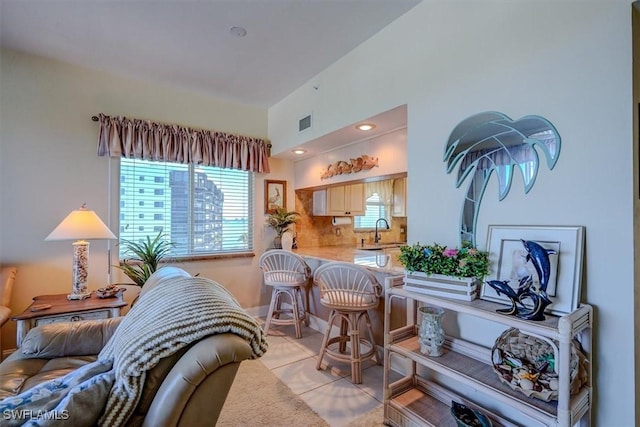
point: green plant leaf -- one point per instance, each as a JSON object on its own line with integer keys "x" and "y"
{"x": 144, "y": 257}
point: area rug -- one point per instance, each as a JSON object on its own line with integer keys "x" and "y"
{"x": 259, "y": 399}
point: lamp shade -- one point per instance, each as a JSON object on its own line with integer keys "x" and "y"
{"x": 81, "y": 224}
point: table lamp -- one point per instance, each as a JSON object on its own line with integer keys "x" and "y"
{"x": 81, "y": 225}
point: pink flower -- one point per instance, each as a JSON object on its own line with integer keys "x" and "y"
{"x": 450, "y": 253}
{"x": 473, "y": 252}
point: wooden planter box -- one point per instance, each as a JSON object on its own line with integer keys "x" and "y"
{"x": 461, "y": 288}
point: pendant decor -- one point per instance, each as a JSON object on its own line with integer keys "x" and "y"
{"x": 341, "y": 167}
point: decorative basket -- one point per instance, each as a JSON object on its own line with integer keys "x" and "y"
{"x": 526, "y": 364}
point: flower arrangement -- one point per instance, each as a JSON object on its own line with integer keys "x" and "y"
{"x": 437, "y": 259}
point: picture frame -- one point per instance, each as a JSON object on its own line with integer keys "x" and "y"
{"x": 275, "y": 195}
{"x": 508, "y": 261}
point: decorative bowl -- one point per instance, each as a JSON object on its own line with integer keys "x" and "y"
{"x": 109, "y": 291}
{"x": 527, "y": 364}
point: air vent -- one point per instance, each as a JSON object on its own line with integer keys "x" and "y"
{"x": 304, "y": 123}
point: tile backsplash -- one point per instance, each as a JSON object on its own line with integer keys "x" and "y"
{"x": 314, "y": 231}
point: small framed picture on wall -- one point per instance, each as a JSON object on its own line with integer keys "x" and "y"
{"x": 275, "y": 195}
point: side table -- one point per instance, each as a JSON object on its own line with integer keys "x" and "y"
{"x": 63, "y": 310}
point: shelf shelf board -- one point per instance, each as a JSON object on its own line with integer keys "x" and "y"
{"x": 477, "y": 374}
{"x": 487, "y": 310}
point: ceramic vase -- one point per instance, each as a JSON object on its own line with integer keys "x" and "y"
{"x": 287, "y": 240}
{"x": 431, "y": 335}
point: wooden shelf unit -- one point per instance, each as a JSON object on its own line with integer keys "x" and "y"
{"x": 469, "y": 364}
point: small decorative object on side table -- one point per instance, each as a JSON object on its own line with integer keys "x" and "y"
{"x": 63, "y": 310}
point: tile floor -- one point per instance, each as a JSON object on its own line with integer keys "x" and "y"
{"x": 329, "y": 391}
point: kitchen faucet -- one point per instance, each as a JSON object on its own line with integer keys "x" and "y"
{"x": 376, "y": 238}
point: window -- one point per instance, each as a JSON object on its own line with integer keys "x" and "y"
{"x": 374, "y": 210}
{"x": 202, "y": 210}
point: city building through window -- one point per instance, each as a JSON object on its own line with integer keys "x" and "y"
{"x": 201, "y": 210}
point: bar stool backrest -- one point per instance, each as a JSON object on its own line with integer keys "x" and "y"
{"x": 283, "y": 268}
{"x": 347, "y": 286}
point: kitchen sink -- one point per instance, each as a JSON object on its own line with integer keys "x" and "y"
{"x": 381, "y": 246}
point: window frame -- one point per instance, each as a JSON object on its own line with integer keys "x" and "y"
{"x": 387, "y": 207}
{"x": 246, "y": 194}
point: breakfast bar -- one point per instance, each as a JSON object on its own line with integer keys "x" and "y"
{"x": 382, "y": 262}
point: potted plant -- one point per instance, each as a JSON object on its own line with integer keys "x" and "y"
{"x": 280, "y": 220}
{"x": 439, "y": 270}
{"x": 145, "y": 257}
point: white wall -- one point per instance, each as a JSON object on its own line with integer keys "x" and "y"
{"x": 568, "y": 61}
{"x": 49, "y": 166}
{"x": 390, "y": 150}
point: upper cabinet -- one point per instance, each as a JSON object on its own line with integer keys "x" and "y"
{"x": 399, "y": 197}
{"x": 344, "y": 200}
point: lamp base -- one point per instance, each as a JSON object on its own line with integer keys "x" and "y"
{"x": 78, "y": 296}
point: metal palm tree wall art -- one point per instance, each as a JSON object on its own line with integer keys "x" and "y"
{"x": 491, "y": 142}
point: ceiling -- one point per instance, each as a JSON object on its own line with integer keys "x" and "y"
{"x": 188, "y": 44}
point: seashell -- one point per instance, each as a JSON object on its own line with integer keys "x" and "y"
{"x": 513, "y": 361}
{"x": 553, "y": 384}
{"x": 496, "y": 356}
{"x": 526, "y": 384}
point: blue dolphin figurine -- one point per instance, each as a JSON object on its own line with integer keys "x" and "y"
{"x": 502, "y": 287}
{"x": 539, "y": 257}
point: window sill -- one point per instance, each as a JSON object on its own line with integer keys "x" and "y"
{"x": 207, "y": 257}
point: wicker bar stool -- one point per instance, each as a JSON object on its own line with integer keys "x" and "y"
{"x": 287, "y": 273}
{"x": 349, "y": 291}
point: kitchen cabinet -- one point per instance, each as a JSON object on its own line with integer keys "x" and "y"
{"x": 399, "y": 197}
{"x": 344, "y": 200}
{"x": 423, "y": 396}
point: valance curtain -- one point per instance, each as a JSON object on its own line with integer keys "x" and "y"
{"x": 383, "y": 188}
{"x": 143, "y": 139}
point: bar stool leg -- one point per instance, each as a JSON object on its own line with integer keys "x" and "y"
{"x": 272, "y": 307}
{"x": 354, "y": 336}
{"x": 296, "y": 312}
{"x": 371, "y": 339}
{"x": 325, "y": 339}
{"x": 344, "y": 334}
{"x": 305, "y": 290}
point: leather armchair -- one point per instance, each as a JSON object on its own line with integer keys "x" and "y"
{"x": 186, "y": 389}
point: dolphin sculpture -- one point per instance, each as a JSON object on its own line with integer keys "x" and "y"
{"x": 524, "y": 286}
{"x": 539, "y": 257}
{"x": 502, "y": 287}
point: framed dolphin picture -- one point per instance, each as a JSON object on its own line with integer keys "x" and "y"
{"x": 558, "y": 273}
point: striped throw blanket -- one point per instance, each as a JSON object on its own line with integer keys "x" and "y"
{"x": 170, "y": 316}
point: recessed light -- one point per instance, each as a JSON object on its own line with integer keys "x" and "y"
{"x": 298, "y": 151}
{"x": 365, "y": 126}
{"x": 238, "y": 31}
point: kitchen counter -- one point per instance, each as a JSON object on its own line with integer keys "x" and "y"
{"x": 381, "y": 261}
